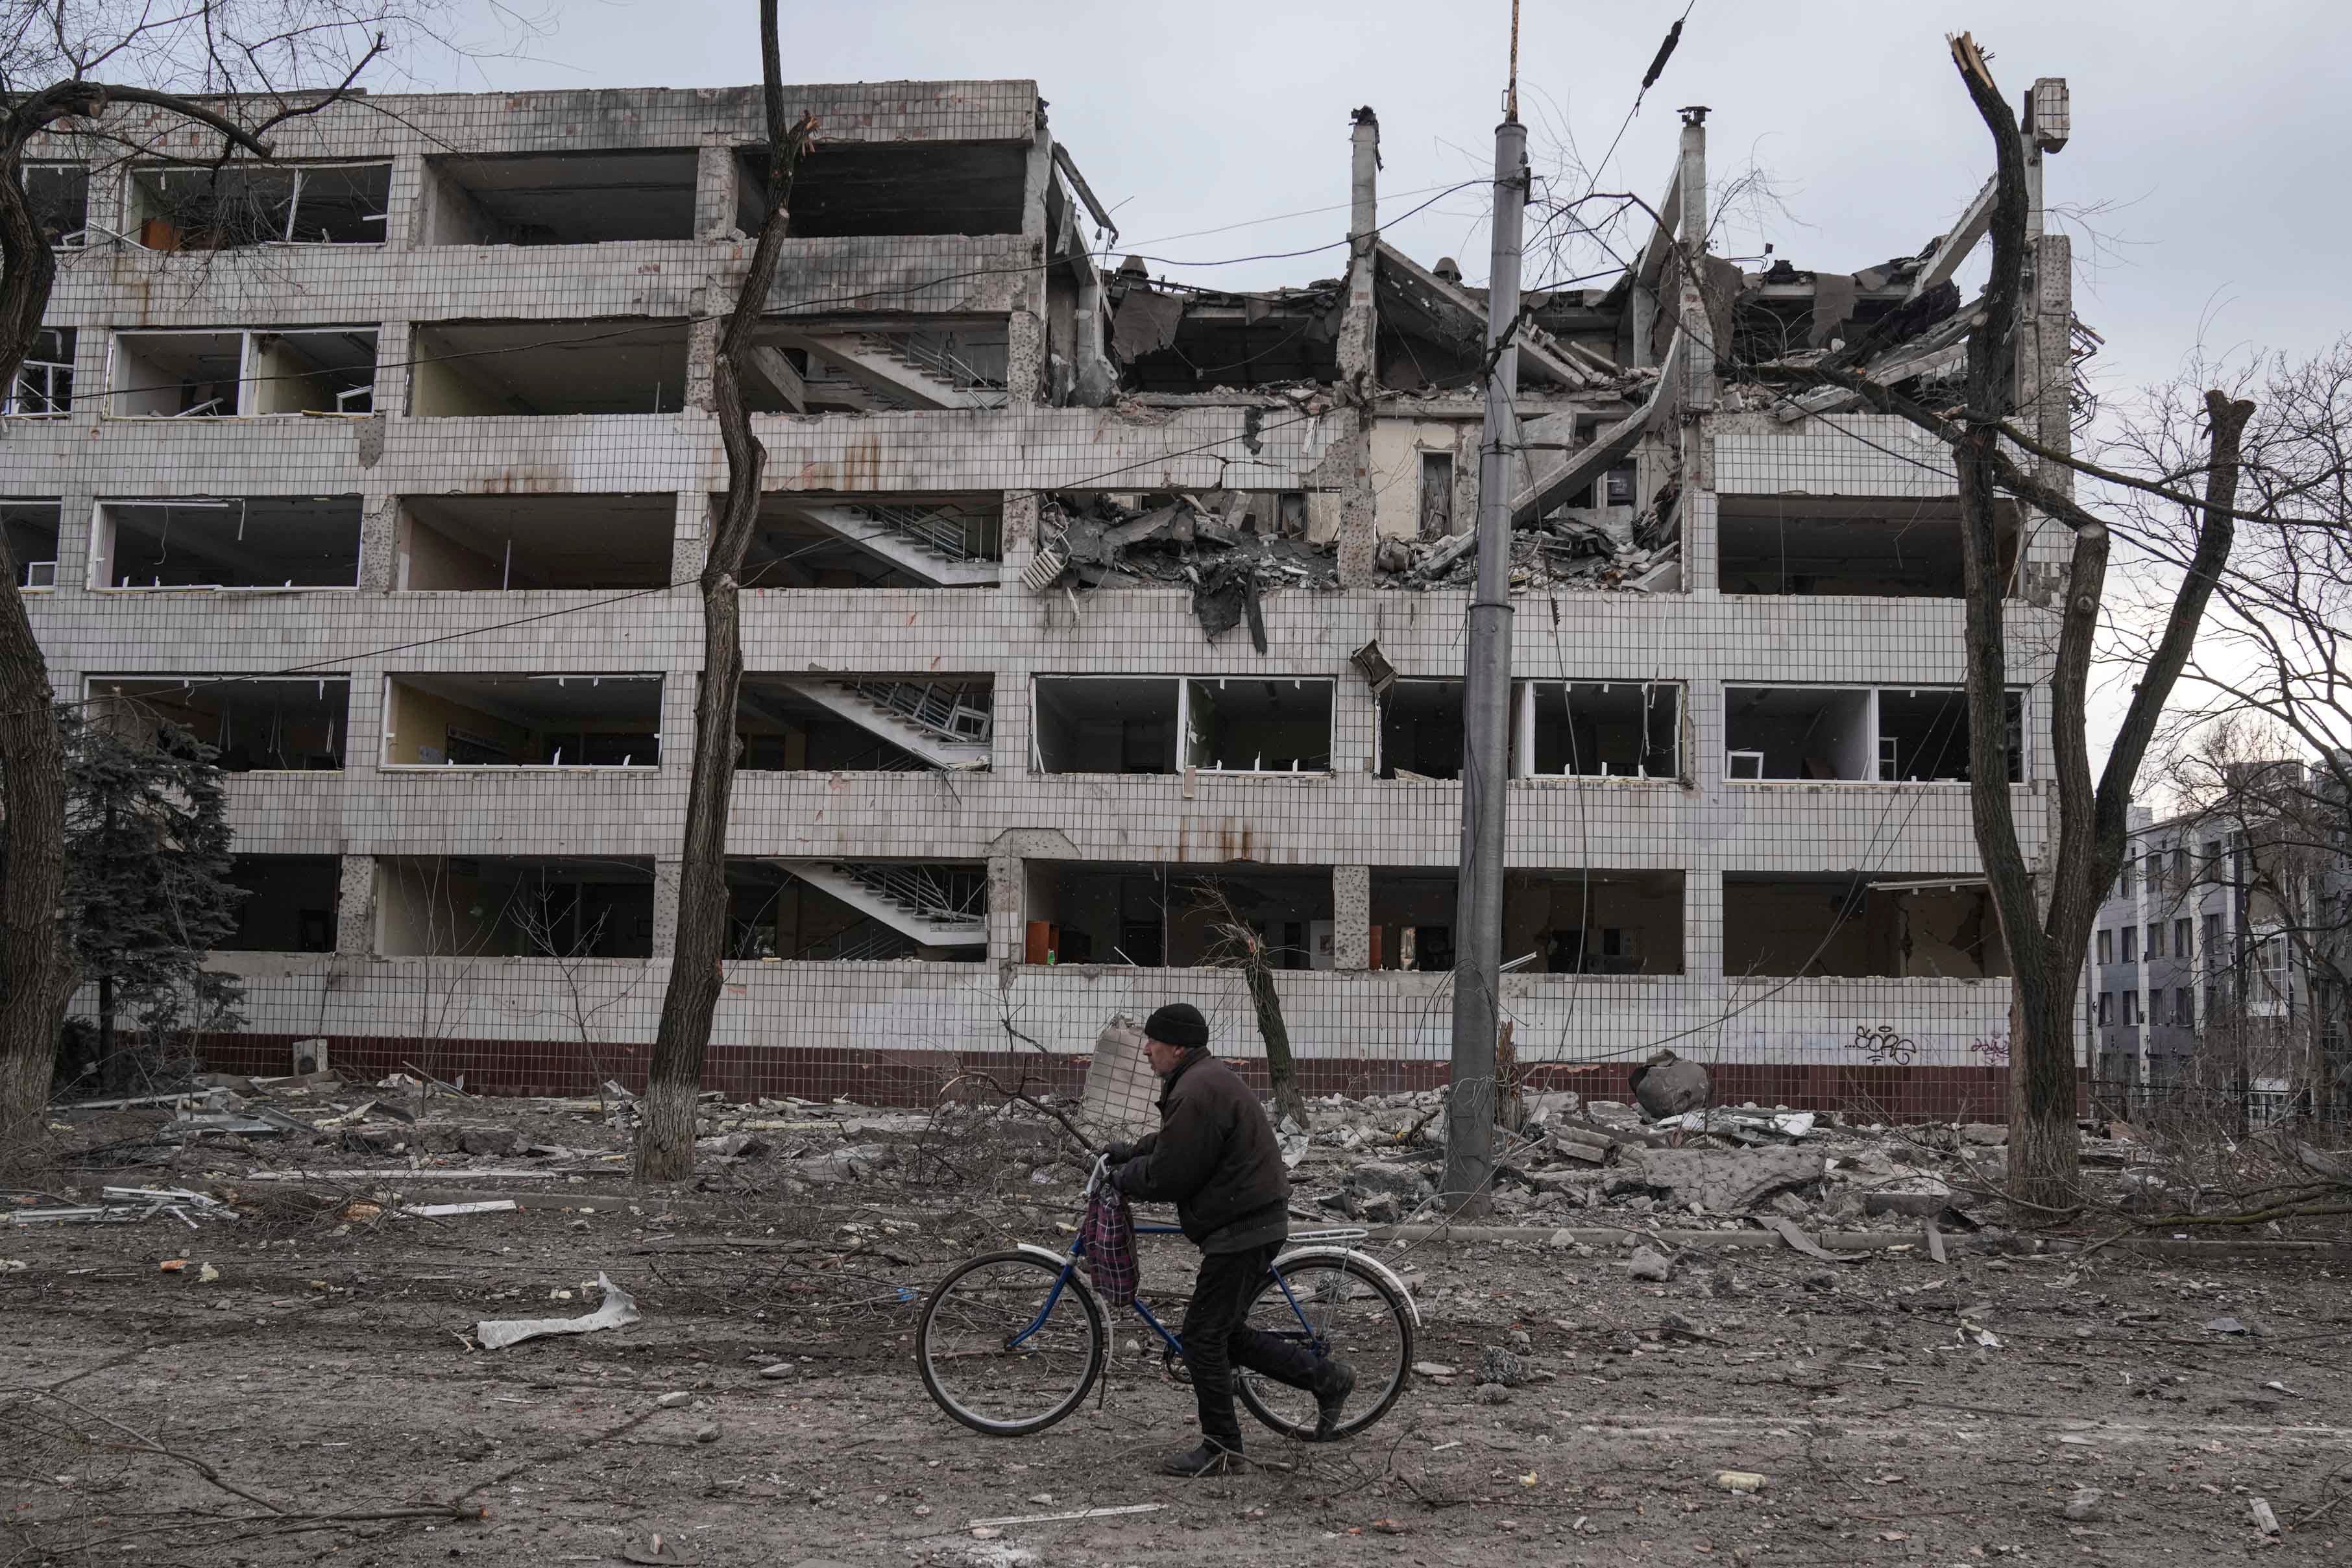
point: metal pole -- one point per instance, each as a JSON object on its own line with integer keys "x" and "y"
{"x": 1487, "y": 716}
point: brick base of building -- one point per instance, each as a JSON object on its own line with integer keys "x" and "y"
{"x": 922, "y": 1077}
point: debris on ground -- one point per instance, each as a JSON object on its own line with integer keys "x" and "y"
{"x": 128, "y": 1204}
{"x": 1666, "y": 1085}
{"x": 619, "y": 1311}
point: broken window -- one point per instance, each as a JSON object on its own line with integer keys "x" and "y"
{"x": 45, "y": 379}
{"x": 31, "y": 529}
{"x": 1554, "y": 922}
{"x": 287, "y": 725}
{"x": 1603, "y": 729}
{"x": 1421, "y": 730}
{"x": 870, "y": 723}
{"x": 1892, "y": 734}
{"x": 1158, "y": 915}
{"x": 1831, "y": 547}
{"x": 490, "y": 543}
{"x": 1256, "y": 725}
{"x": 1852, "y": 926}
{"x": 1797, "y": 732}
{"x": 289, "y": 903}
{"x": 181, "y": 375}
{"x": 512, "y": 907}
{"x": 235, "y": 542}
{"x": 913, "y": 542}
{"x": 563, "y": 198}
{"x": 522, "y": 721}
{"x": 488, "y": 368}
{"x": 58, "y": 194}
{"x": 851, "y": 911}
{"x": 1106, "y": 724}
{"x": 893, "y": 188}
{"x": 242, "y": 204}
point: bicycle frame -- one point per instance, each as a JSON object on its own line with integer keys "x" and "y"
{"x": 1077, "y": 1254}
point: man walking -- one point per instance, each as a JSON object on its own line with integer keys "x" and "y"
{"x": 1215, "y": 1158}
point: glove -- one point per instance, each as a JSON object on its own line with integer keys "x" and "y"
{"x": 1118, "y": 1154}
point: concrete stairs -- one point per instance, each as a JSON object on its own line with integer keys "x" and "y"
{"x": 903, "y": 371}
{"x": 939, "y": 724}
{"x": 928, "y": 543}
{"x": 938, "y": 907}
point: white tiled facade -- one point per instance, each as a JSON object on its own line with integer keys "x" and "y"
{"x": 1371, "y": 1027}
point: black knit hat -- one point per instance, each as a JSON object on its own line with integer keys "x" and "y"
{"x": 1179, "y": 1023}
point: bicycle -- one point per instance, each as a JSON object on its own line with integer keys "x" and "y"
{"x": 1011, "y": 1343}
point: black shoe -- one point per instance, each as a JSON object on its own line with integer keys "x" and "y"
{"x": 1334, "y": 1381}
{"x": 1208, "y": 1460}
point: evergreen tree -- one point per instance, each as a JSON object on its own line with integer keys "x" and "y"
{"x": 148, "y": 893}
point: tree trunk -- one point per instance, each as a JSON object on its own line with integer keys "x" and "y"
{"x": 35, "y": 967}
{"x": 674, "y": 1078}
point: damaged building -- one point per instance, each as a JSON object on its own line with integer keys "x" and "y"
{"x": 1078, "y": 595}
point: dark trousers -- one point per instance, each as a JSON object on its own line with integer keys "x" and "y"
{"x": 1216, "y": 1340}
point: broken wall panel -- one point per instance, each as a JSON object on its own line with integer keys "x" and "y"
{"x": 1848, "y": 926}
{"x": 480, "y": 368}
{"x": 213, "y": 541}
{"x": 561, "y": 198}
{"x": 570, "y": 720}
{"x": 514, "y": 543}
{"x": 254, "y": 725}
{"x": 514, "y": 906}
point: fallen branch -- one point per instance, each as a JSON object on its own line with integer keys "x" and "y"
{"x": 1075, "y": 1137}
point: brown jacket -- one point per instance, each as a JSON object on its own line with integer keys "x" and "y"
{"x": 1215, "y": 1157}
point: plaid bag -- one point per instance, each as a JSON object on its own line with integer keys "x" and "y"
{"x": 1107, "y": 1234}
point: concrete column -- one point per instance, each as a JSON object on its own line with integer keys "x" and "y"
{"x": 1018, "y": 533}
{"x": 405, "y": 201}
{"x": 702, "y": 349}
{"x": 665, "y": 907}
{"x": 1007, "y": 911}
{"x": 714, "y": 191}
{"x": 392, "y": 372}
{"x": 691, "y": 535}
{"x": 1690, "y": 302}
{"x": 1352, "y": 918}
{"x": 1025, "y": 328}
{"x": 355, "y": 905}
{"x": 1351, "y": 453}
{"x": 379, "y": 543}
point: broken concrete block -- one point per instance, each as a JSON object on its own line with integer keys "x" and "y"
{"x": 1986, "y": 1135}
{"x": 1721, "y": 1182}
{"x": 1648, "y": 1263}
{"x": 502, "y": 1141}
{"x": 1666, "y": 1085}
{"x": 1393, "y": 1180}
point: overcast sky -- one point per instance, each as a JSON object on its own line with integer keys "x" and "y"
{"x": 2200, "y": 128}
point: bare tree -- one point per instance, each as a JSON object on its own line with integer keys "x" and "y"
{"x": 2046, "y": 926}
{"x": 125, "y": 75}
{"x": 674, "y": 1078}
{"x": 1235, "y": 943}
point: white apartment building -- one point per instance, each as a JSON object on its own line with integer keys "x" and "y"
{"x": 395, "y": 485}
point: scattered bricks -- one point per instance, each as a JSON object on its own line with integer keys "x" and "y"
{"x": 1725, "y": 1183}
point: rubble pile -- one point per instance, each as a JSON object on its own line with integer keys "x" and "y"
{"x": 1219, "y": 546}
{"x": 1558, "y": 550}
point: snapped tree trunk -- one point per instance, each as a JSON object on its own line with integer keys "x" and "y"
{"x": 1281, "y": 1069}
{"x": 674, "y": 1077}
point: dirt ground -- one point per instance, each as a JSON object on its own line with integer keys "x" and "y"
{"x": 327, "y": 1370}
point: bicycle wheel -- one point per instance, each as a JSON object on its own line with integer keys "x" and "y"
{"x": 1008, "y": 1347}
{"x": 1343, "y": 1310}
